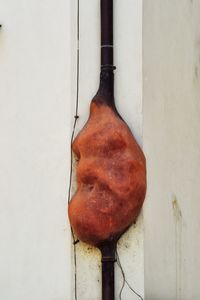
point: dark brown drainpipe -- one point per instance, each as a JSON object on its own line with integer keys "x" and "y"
{"x": 108, "y": 270}
{"x": 106, "y": 89}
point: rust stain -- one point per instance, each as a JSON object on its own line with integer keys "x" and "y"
{"x": 178, "y": 245}
{"x": 85, "y": 249}
{"x": 196, "y": 72}
{"x": 176, "y": 209}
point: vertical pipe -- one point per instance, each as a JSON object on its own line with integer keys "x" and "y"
{"x": 106, "y": 87}
{"x": 108, "y": 271}
{"x": 106, "y": 90}
{"x": 106, "y": 33}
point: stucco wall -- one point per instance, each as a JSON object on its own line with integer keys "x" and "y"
{"x": 37, "y": 83}
{"x": 38, "y": 87}
{"x": 171, "y": 64}
{"x": 35, "y": 256}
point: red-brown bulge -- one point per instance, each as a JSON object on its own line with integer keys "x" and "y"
{"x": 111, "y": 177}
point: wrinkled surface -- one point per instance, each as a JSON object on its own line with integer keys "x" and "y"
{"x": 111, "y": 177}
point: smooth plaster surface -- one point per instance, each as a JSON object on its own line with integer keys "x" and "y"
{"x": 171, "y": 139}
{"x": 35, "y": 259}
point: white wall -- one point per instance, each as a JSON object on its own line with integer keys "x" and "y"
{"x": 37, "y": 108}
{"x": 34, "y": 144}
{"x": 171, "y": 45}
{"x": 128, "y": 59}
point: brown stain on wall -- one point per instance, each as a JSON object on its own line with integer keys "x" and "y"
{"x": 176, "y": 209}
{"x": 196, "y": 67}
{"x": 178, "y": 245}
{"x": 196, "y": 72}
